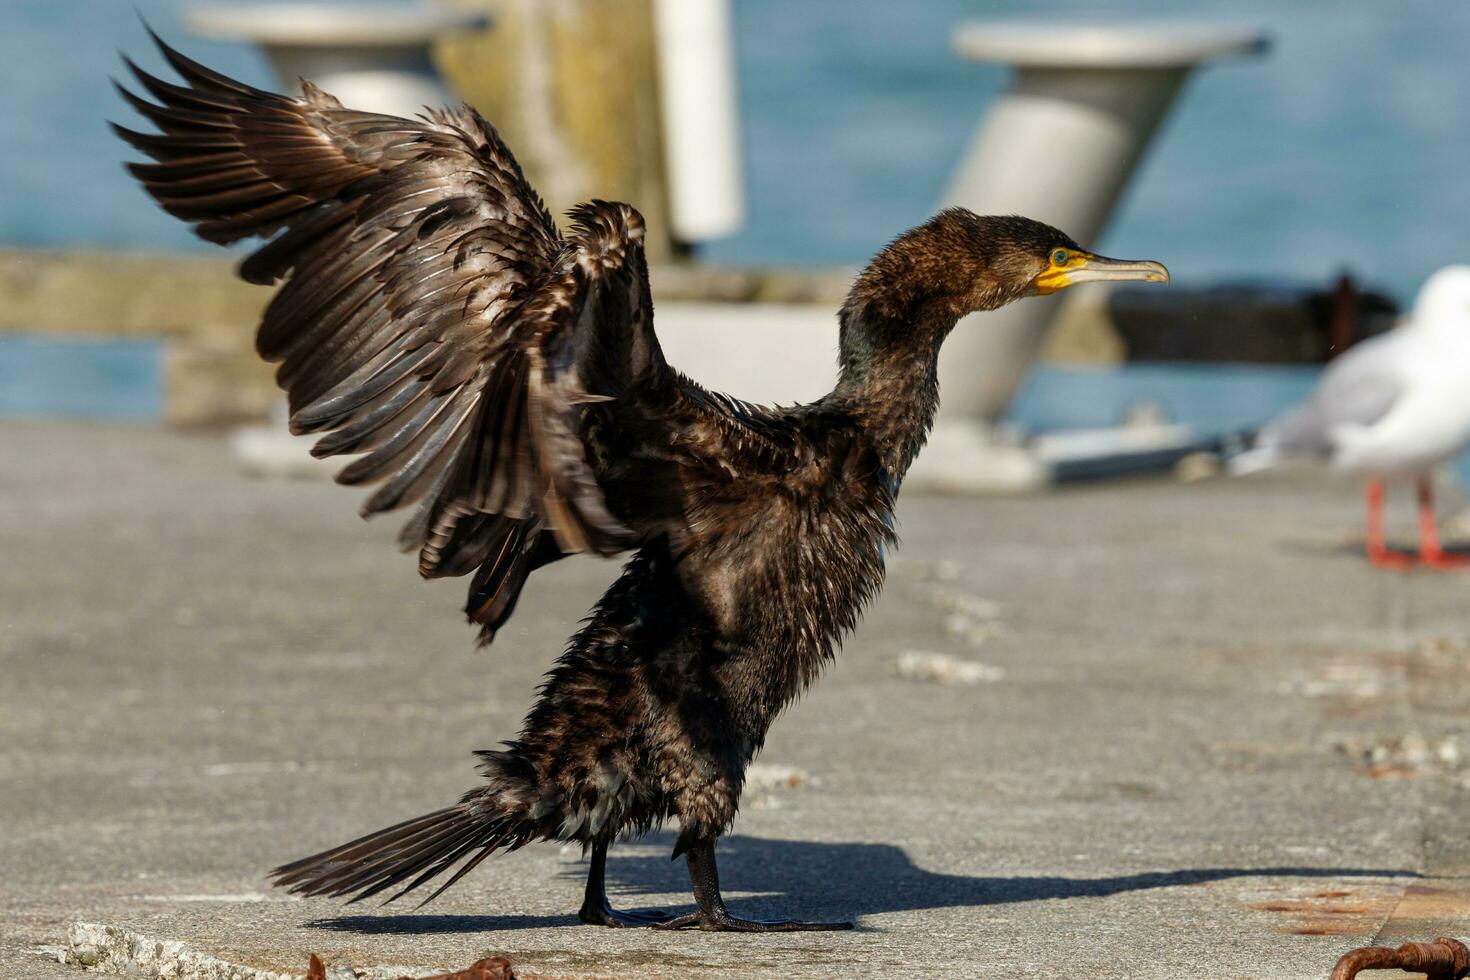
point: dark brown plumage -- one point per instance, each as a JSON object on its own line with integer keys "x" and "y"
{"x": 504, "y": 381}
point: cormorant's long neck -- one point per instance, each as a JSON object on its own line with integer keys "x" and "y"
{"x": 889, "y": 379}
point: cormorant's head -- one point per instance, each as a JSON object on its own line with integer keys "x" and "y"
{"x": 959, "y": 262}
{"x": 1007, "y": 257}
{"x": 1040, "y": 259}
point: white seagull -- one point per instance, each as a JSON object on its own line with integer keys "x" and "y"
{"x": 1393, "y": 407}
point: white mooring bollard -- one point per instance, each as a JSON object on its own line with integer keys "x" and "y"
{"x": 372, "y": 57}
{"x": 701, "y": 124}
{"x": 1058, "y": 146}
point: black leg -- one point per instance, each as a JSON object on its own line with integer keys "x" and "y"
{"x": 596, "y": 911}
{"x": 712, "y": 914}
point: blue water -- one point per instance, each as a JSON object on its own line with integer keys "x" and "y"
{"x": 96, "y": 379}
{"x": 1346, "y": 147}
{"x": 1211, "y": 399}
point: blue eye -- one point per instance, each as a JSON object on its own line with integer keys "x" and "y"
{"x": 1059, "y": 257}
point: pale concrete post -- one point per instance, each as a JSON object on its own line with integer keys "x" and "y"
{"x": 701, "y": 121}
{"x": 572, "y": 85}
{"x": 373, "y": 58}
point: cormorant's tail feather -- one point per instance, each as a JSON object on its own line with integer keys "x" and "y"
{"x": 419, "y": 849}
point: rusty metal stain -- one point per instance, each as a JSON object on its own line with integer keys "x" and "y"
{"x": 1332, "y": 911}
{"x": 1326, "y": 929}
{"x": 1390, "y": 772}
{"x": 1312, "y": 907}
{"x": 1428, "y": 902}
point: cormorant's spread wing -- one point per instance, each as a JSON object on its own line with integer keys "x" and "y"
{"x": 502, "y": 377}
{"x": 430, "y": 313}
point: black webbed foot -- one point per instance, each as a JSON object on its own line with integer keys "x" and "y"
{"x": 596, "y": 911}
{"x": 723, "y": 921}
{"x": 605, "y": 915}
{"x": 711, "y": 914}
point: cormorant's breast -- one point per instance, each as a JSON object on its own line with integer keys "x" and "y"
{"x": 790, "y": 571}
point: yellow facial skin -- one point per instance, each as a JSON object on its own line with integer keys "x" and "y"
{"x": 1068, "y": 267}
{"x": 1055, "y": 276}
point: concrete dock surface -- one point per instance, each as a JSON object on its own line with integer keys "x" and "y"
{"x": 1144, "y": 729}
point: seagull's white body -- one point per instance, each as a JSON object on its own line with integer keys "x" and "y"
{"x": 1395, "y": 406}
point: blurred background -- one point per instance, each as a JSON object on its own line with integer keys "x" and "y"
{"x": 1340, "y": 150}
{"x": 1337, "y": 151}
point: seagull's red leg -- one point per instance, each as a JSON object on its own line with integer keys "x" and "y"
{"x": 1431, "y": 555}
{"x": 1378, "y": 552}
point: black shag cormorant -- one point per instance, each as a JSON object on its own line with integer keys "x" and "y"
{"x": 503, "y": 379}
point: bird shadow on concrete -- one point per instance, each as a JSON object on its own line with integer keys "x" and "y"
{"x": 814, "y": 880}
{"x": 412, "y": 924}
